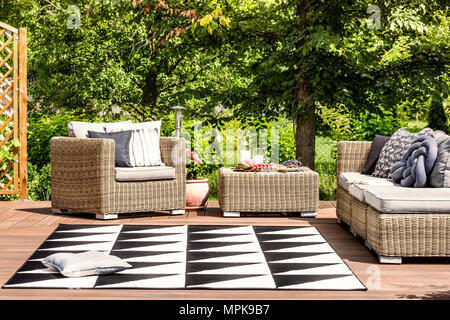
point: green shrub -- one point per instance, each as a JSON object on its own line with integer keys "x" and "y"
{"x": 41, "y": 128}
{"x": 213, "y": 182}
{"x": 437, "y": 119}
{"x": 325, "y": 166}
{"x": 367, "y": 125}
{"x": 39, "y": 183}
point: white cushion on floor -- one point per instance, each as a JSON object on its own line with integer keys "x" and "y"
{"x": 84, "y": 264}
{"x": 348, "y": 178}
{"x": 127, "y": 174}
{"x": 397, "y": 199}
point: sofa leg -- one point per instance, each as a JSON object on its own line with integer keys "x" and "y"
{"x": 177, "y": 212}
{"x": 353, "y": 232}
{"x": 339, "y": 221}
{"x": 390, "y": 260}
{"x": 231, "y": 214}
{"x": 308, "y": 214}
{"x": 106, "y": 216}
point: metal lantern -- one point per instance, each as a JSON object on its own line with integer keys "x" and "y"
{"x": 178, "y": 110}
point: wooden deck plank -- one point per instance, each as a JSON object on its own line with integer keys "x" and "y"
{"x": 25, "y": 225}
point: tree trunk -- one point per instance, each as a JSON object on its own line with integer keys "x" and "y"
{"x": 305, "y": 133}
{"x": 150, "y": 93}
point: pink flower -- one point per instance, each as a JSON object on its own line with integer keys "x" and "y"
{"x": 193, "y": 156}
{"x": 196, "y": 158}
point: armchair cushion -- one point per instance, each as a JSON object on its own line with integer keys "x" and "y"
{"x": 122, "y": 145}
{"x": 144, "y": 173}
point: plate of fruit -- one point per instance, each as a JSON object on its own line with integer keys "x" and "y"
{"x": 250, "y": 165}
{"x": 290, "y": 165}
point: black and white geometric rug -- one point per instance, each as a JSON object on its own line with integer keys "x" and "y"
{"x": 196, "y": 257}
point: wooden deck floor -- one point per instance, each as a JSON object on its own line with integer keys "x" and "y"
{"x": 25, "y": 225}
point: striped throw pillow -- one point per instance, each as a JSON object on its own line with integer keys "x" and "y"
{"x": 144, "y": 143}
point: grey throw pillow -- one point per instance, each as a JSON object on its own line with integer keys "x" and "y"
{"x": 440, "y": 174}
{"x": 84, "y": 264}
{"x": 394, "y": 149}
{"x": 122, "y": 146}
{"x": 374, "y": 153}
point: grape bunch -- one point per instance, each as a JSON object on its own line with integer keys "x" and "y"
{"x": 292, "y": 162}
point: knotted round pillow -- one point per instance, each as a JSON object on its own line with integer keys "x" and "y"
{"x": 416, "y": 163}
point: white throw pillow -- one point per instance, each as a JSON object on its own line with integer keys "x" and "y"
{"x": 79, "y": 129}
{"x": 84, "y": 264}
{"x": 144, "y": 144}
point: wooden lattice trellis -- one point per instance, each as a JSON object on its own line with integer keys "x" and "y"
{"x": 13, "y": 110}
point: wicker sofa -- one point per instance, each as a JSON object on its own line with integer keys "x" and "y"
{"x": 423, "y": 230}
{"x": 83, "y": 179}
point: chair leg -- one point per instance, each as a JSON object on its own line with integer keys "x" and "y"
{"x": 231, "y": 214}
{"x": 308, "y": 214}
{"x": 106, "y": 216}
{"x": 177, "y": 212}
{"x": 390, "y": 260}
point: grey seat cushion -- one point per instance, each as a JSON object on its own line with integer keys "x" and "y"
{"x": 357, "y": 191}
{"x": 144, "y": 173}
{"x": 397, "y": 199}
{"x": 348, "y": 178}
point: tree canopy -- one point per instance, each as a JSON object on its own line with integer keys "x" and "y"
{"x": 238, "y": 58}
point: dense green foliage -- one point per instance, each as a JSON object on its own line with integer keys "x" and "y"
{"x": 437, "y": 118}
{"x": 236, "y": 64}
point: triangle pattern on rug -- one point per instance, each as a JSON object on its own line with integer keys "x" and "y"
{"x": 195, "y": 257}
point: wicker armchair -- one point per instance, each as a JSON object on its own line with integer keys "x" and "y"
{"x": 83, "y": 179}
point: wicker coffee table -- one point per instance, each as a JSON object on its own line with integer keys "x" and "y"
{"x": 268, "y": 192}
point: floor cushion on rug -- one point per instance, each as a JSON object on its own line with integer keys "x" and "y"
{"x": 84, "y": 264}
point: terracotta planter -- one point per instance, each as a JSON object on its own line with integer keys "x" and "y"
{"x": 197, "y": 192}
